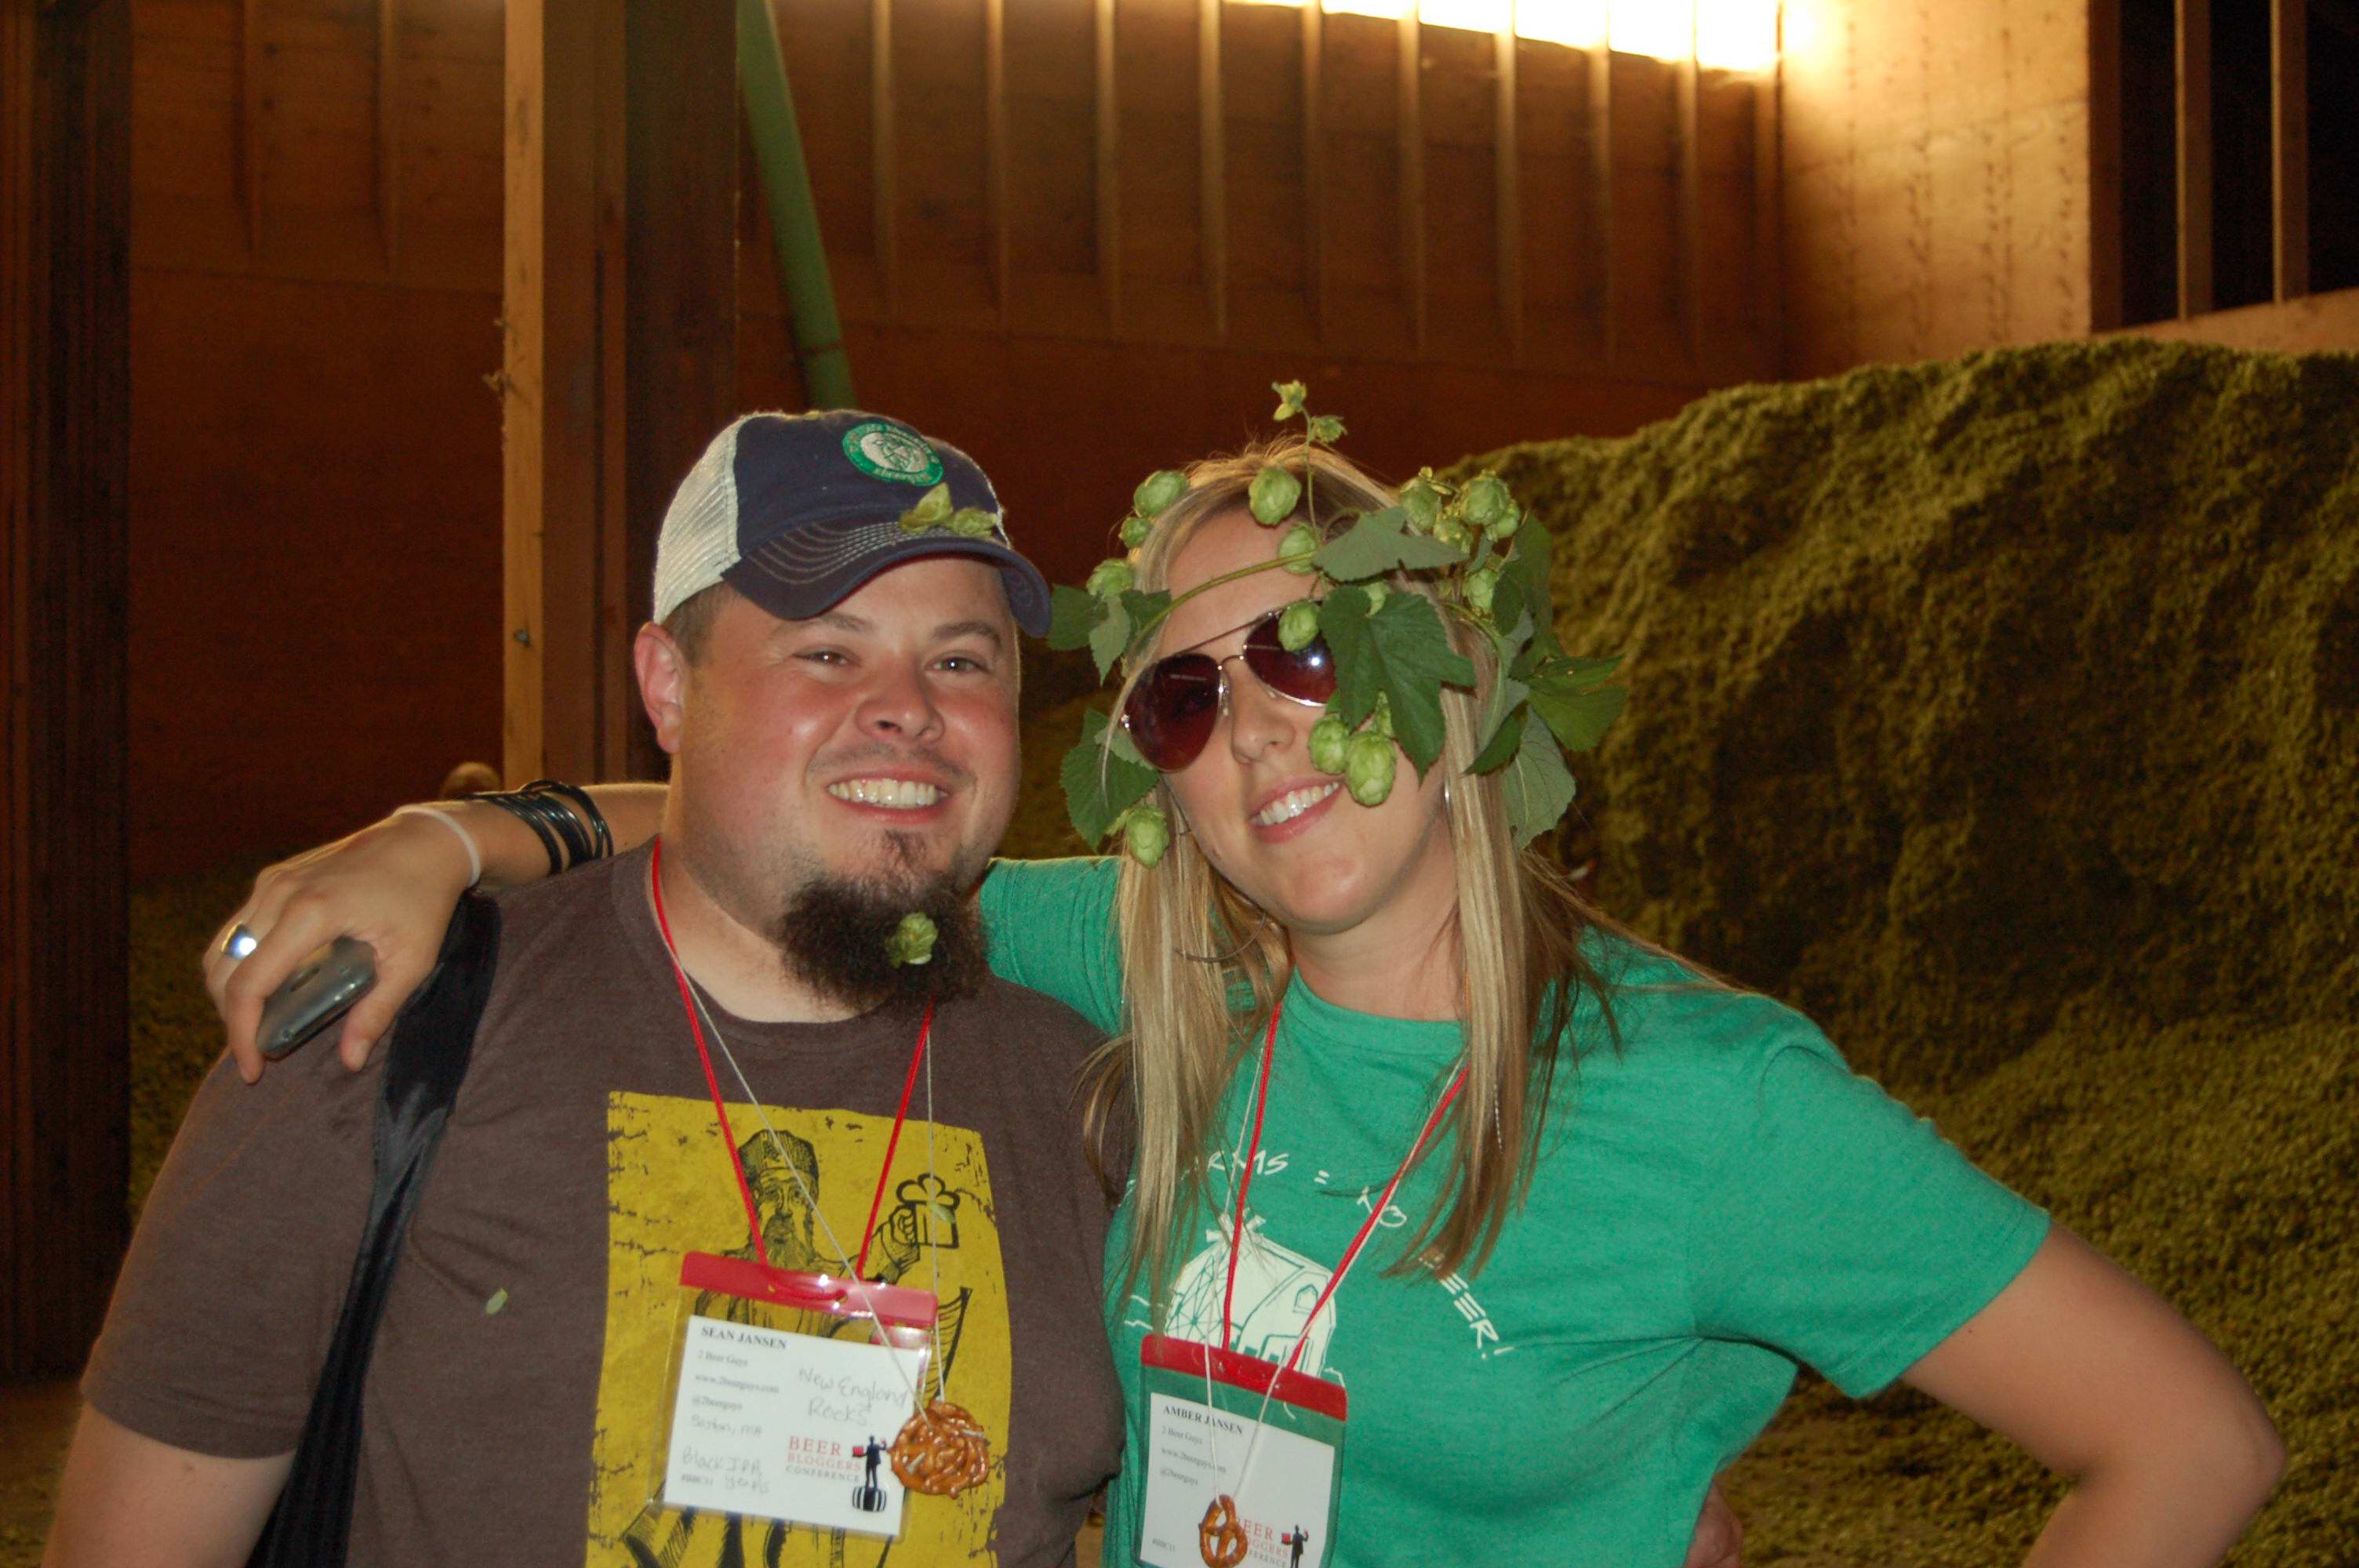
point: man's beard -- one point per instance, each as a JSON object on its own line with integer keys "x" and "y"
{"x": 835, "y": 934}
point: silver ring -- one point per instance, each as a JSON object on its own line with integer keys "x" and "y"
{"x": 240, "y": 941}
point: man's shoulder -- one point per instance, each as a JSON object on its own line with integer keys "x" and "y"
{"x": 1019, "y": 1015}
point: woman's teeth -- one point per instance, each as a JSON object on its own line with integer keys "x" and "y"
{"x": 1293, "y": 804}
{"x": 897, "y": 795}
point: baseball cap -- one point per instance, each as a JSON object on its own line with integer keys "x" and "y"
{"x": 795, "y": 510}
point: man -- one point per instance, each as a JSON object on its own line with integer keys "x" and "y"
{"x": 835, "y": 676}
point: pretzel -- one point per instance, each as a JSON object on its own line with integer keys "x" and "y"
{"x": 940, "y": 1449}
{"x": 1221, "y": 1538}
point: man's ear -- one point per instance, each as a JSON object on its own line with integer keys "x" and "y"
{"x": 663, "y": 683}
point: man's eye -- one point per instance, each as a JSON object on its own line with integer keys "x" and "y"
{"x": 965, "y": 664}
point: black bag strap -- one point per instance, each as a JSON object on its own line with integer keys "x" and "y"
{"x": 426, "y": 1059}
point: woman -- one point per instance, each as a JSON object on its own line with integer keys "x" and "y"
{"x": 1642, "y": 1197}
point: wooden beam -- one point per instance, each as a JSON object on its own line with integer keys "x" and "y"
{"x": 2194, "y": 141}
{"x": 565, "y": 640}
{"x": 1687, "y": 160}
{"x": 1314, "y": 168}
{"x": 249, "y": 122}
{"x": 2290, "y": 143}
{"x": 1212, "y": 163}
{"x": 1601, "y": 182}
{"x": 65, "y": 206}
{"x": 1412, "y": 174}
{"x": 388, "y": 135}
{"x": 882, "y": 172}
{"x": 1768, "y": 209}
{"x": 2108, "y": 302}
{"x": 1507, "y": 199}
{"x": 997, "y": 218}
{"x": 1108, "y": 133}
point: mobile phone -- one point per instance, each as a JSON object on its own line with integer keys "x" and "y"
{"x": 321, "y": 990}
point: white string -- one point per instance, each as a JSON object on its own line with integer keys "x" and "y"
{"x": 934, "y": 1252}
{"x": 851, "y": 1270}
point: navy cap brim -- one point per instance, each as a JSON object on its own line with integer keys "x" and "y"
{"x": 798, "y": 575}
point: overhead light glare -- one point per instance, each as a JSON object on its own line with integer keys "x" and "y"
{"x": 1657, "y": 28}
{"x": 1577, "y": 24}
{"x": 1736, "y": 35}
{"x": 1474, "y": 16}
{"x": 1388, "y": 10}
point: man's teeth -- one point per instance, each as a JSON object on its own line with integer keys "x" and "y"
{"x": 1293, "y": 804}
{"x": 897, "y": 795}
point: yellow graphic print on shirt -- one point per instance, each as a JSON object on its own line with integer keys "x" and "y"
{"x": 670, "y": 1193}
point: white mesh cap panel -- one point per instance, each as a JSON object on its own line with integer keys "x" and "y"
{"x": 699, "y": 541}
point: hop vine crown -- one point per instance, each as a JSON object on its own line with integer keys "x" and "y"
{"x": 1392, "y": 652}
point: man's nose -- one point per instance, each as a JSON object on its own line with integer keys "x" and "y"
{"x": 898, "y": 705}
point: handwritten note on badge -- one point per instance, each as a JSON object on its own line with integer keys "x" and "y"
{"x": 789, "y": 1426}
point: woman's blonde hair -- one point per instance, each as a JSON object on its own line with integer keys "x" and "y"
{"x": 1204, "y": 966}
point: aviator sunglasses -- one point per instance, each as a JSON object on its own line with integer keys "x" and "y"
{"x": 1175, "y": 705}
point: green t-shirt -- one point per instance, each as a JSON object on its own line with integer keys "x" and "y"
{"x": 1717, "y": 1202}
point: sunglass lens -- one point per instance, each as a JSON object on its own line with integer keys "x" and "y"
{"x": 1307, "y": 673}
{"x": 1173, "y": 711}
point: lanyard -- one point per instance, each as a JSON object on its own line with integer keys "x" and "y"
{"x": 1367, "y": 1225}
{"x": 712, "y": 1083}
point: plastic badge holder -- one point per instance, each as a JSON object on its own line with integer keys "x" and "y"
{"x": 784, "y": 1392}
{"x": 1283, "y": 1513}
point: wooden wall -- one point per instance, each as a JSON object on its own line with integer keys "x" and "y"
{"x": 315, "y": 455}
{"x": 1029, "y": 273}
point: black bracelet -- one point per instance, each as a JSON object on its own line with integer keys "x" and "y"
{"x": 550, "y": 808}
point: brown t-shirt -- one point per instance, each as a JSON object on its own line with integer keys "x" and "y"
{"x": 513, "y": 1408}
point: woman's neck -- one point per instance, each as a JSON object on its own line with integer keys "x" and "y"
{"x": 1403, "y": 960}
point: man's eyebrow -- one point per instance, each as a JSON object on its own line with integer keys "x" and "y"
{"x": 842, "y": 620}
{"x": 984, "y": 629}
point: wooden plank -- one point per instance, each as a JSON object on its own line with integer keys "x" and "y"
{"x": 65, "y": 187}
{"x": 1107, "y": 122}
{"x": 884, "y": 179}
{"x": 1411, "y": 114}
{"x": 2108, "y": 304}
{"x": 1768, "y": 207}
{"x": 997, "y": 222}
{"x": 2290, "y": 143}
{"x": 1688, "y": 199}
{"x": 2194, "y": 68}
{"x": 1317, "y": 276}
{"x": 1212, "y": 163}
{"x": 1600, "y": 197}
{"x": 1508, "y": 199}
{"x": 249, "y": 122}
{"x": 388, "y": 137}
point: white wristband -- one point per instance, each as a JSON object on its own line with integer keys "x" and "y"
{"x": 475, "y": 856}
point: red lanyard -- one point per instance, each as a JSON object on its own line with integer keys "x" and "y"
{"x": 728, "y": 1134}
{"x": 1351, "y": 1253}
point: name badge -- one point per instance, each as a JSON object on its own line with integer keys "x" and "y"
{"x": 785, "y": 1392}
{"x": 1243, "y": 1460}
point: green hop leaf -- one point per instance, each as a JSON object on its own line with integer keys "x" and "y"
{"x": 912, "y": 940}
{"x": 1422, "y": 501}
{"x": 1297, "y": 546}
{"x": 1272, "y": 495}
{"x": 1157, "y": 490}
{"x": 1378, "y": 543}
{"x": 1290, "y": 394}
{"x": 932, "y": 510}
{"x": 1135, "y": 530}
{"x": 1104, "y": 778}
{"x": 1482, "y": 586}
{"x": 1326, "y": 429}
{"x": 1401, "y": 652}
{"x": 495, "y": 1302}
{"x": 1537, "y": 784}
{"x": 1110, "y": 638}
{"x": 1299, "y": 625}
{"x": 1109, "y": 578}
{"x": 1380, "y": 717}
{"x": 1577, "y": 718}
{"x": 1146, "y": 834}
{"x": 1331, "y": 739}
{"x": 1487, "y": 501}
{"x": 1369, "y": 765}
{"x": 973, "y": 522}
{"x": 1072, "y": 616}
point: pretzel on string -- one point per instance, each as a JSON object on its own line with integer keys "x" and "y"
{"x": 1222, "y": 1537}
{"x": 942, "y": 1451}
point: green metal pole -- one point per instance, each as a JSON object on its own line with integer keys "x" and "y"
{"x": 794, "y": 221}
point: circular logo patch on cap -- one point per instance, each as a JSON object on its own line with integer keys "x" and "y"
{"x": 887, "y": 451}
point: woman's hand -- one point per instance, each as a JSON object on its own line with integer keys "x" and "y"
{"x": 1719, "y": 1539}
{"x": 393, "y": 885}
